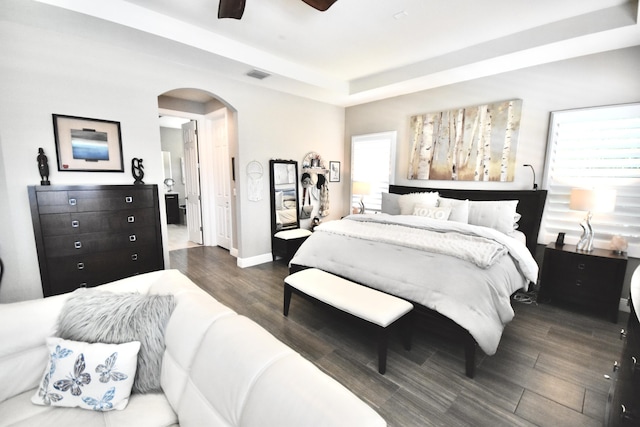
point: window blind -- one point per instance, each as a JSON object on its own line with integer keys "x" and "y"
{"x": 597, "y": 148}
{"x": 373, "y": 161}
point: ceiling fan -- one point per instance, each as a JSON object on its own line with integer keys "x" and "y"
{"x": 235, "y": 8}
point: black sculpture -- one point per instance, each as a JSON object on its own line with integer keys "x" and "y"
{"x": 43, "y": 166}
{"x": 137, "y": 170}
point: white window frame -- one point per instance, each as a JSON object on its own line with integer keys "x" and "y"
{"x": 596, "y": 148}
{"x": 379, "y": 169}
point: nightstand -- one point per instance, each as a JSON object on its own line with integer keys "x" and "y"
{"x": 592, "y": 280}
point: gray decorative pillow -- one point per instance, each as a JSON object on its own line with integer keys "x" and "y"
{"x": 97, "y": 316}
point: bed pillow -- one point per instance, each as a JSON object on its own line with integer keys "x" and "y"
{"x": 441, "y": 213}
{"x": 94, "y": 316}
{"x": 390, "y": 204}
{"x": 459, "y": 209}
{"x": 408, "y": 201}
{"x": 279, "y": 200}
{"x": 499, "y": 214}
{"x": 89, "y": 376}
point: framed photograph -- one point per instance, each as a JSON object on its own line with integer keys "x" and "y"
{"x": 87, "y": 145}
{"x": 334, "y": 171}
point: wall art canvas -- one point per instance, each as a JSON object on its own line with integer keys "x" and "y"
{"x": 467, "y": 144}
{"x": 87, "y": 145}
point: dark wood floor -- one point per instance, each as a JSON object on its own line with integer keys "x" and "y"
{"x": 548, "y": 371}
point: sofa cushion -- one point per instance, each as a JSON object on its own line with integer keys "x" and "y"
{"x": 90, "y": 376}
{"x": 94, "y": 315}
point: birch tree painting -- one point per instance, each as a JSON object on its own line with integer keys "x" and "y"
{"x": 467, "y": 144}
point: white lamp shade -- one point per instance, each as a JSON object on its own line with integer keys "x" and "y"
{"x": 598, "y": 200}
{"x": 361, "y": 187}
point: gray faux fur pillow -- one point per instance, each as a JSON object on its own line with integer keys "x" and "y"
{"x": 93, "y": 315}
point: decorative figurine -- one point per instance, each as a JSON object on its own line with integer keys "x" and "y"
{"x": 43, "y": 166}
{"x": 137, "y": 170}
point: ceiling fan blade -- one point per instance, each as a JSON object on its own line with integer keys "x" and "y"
{"x": 231, "y": 9}
{"x": 321, "y": 5}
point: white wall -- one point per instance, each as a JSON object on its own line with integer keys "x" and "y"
{"x": 607, "y": 78}
{"x": 51, "y": 66}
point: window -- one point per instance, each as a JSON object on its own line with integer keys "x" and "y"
{"x": 597, "y": 148}
{"x": 372, "y": 162}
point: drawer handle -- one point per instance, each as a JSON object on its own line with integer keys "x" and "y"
{"x": 81, "y": 266}
{"x": 132, "y": 238}
{"x": 77, "y": 244}
{"x": 131, "y": 218}
{"x": 128, "y": 199}
{"x": 581, "y": 266}
{"x": 75, "y": 223}
{"x": 578, "y": 282}
{"x": 623, "y": 334}
{"x": 616, "y": 366}
{"x": 73, "y": 202}
{"x": 83, "y": 285}
{"x": 634, "y": 365}
{"x": 134, "y": 257}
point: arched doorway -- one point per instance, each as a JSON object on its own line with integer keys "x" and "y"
{"x": 202, "y": 173}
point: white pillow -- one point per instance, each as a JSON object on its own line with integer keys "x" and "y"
{"x": 390, "y": 204}
{"x": 279, "y": 200}
{"x": 499, "y": 214}
{"x": 97, "y": 376}
{"x": 431, "y": 212}
{"x": 459, "y": 209}
{"x": 408, "y": 201}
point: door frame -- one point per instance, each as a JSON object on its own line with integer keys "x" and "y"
{"x": 206, "y": 164}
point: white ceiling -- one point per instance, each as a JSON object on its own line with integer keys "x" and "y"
{"x": 362, "y": 50}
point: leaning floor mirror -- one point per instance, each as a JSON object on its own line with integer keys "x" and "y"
{"x": 284, "y": 195}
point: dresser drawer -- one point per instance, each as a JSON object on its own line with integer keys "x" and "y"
{"x": 71, "y": 272}
{"x": 60, "y": 246}
{"x": 93, "y": 200}
{"x": 88, "y": 222}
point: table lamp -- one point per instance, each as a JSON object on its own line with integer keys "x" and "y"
{"x": 361, "y": 188}
{"x": 590, "y": 200}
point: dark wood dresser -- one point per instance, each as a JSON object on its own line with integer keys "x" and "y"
{"x": 623, "y": 403}
{"x": 93, "y": 234}
{"x": 592, "y": 280}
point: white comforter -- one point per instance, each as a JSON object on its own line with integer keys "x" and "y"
{"x": 477, "y": 298}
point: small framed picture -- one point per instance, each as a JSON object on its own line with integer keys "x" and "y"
{"x": 87, "y": 145}
{"x": 334, "y": 171}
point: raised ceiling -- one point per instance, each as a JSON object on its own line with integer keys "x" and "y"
{"x": 363, "y": 50}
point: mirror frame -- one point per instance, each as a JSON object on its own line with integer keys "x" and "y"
{"x": 272, "y": 194}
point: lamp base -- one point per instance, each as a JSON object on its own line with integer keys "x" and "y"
{"x": 361, "y": 206}
{"x": 585, "y": 244}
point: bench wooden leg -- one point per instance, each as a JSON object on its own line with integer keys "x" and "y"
{"x": 383, "y": 342}
{"x": 407, "y": 330}
{"x": 287, "y": 299}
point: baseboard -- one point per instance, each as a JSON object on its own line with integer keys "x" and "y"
{"x": 624, "y": 305}
{"x": 255, "y": 260}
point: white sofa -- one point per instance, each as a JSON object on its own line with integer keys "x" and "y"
{"x": 218, "y": 369}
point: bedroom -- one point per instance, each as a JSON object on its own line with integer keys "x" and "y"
{"x": 66, "y": 71}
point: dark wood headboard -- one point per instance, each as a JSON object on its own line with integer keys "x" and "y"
{"x": 530, "y": 205}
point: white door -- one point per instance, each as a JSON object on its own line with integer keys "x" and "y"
{"x": 192, "y": 181}
{"x": 222, "y": 181}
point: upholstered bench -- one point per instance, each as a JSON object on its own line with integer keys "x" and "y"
{"x": 370, "y": 305}
{"x": 285, "y": 243}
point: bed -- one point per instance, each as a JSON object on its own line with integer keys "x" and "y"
{"x": 457, "y": 255}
